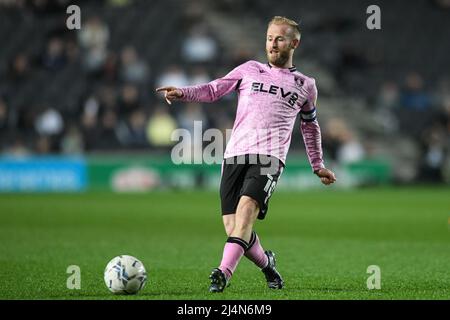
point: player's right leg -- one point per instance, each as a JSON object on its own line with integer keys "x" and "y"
{"x": 236, "y": 244}
{"x": 233, "y": 173}
{"x": 218, "y": 278}
{"x": 273, "y": 277}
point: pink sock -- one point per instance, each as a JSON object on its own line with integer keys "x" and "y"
{"x": 256, "y": 252}
{"x": 232, "y": 253}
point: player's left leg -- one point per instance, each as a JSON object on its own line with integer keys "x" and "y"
{"x": 255, "y": 252}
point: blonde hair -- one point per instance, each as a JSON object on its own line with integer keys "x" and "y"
{"x": 283, "y": 20}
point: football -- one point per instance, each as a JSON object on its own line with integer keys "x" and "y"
{"x": 125, "y": 275}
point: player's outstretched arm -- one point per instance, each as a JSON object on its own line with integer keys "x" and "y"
{"x": 208, "y": 92}
{"x": 326, "y": 176}
{"x": 170, "y": 93}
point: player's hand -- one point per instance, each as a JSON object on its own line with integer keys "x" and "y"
{"x": 326, "y": 176}
{"x": 170, "y": 93}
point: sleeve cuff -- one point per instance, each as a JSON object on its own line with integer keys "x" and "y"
{"x": 316, "y": 168}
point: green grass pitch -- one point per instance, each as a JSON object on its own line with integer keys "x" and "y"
{"x": 324, "y": 242}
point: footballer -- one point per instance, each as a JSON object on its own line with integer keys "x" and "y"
{"x": 270, "y": 96}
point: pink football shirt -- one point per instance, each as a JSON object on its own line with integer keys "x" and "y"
{"x": 269, "y": 100}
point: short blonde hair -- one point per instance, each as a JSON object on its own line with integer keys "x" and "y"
{"x": 283, "y": 20}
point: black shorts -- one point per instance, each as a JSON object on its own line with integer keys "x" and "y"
{"x": 254, "y": 176}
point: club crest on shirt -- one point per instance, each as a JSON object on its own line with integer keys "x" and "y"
{"x": 299, "y": 82}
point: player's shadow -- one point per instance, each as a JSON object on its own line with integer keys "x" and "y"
{"x": 105, "y": 296}
{"x": 330, "y": 289}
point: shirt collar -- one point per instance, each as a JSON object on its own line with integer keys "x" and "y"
{"x": 291, "y": 69}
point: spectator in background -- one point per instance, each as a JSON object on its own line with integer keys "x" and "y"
{"x": 72, "y": 141}
{"x": 435, "y": 145}
{"x": 415, "y": 104}
{"x": 222, "y": 118}
{"x": 107, "y": 98}
{"x": 240, "y": 55}
{"x": 91, "y": 107}
{"x": 446, "y": 117}
{"x": 72, "y": 50}
{"x": 434, "y": 151}
{"x": 341, "y": 143}
{"x": 133, "y": 68}
{"x": 89, "y": 123}
{"x": 138, "y": 121}
{"x": 110, "y": 68}
{"x": 172, "y": 75}
{"x": 188, "y": 114}
{"x": 49, "y": 122}
{"x": 386, "y": 104}
{"x": 160, "y": 127}
{"x": 99, "y": 128}
{"x": 443, "y": 90}
{"x": 17, "y": 148}
{"x": 54, "y": 57}
{"x": 414, "y": 95}
{"x": 95, "y": 33}
{"x": 193, "y": 13}
{"x": 132, "y": 131}
{"x": 93, "y": 39}
{"x": 199, "y": 46}
{"x": 389, "y": 96}
{"x": 199, "y": 75}
{"x": 446, "y": 169}
{"x": 26, "y": 118}
{"x": 19, "y": 69}
{"x": 129, "y": 100}
{"x": 107, "y": 138}
{"x": 352, "y": 55}
{"x": 43, "y": 145}
{"x": 4, "y": 115}
{"x": 350, "y": 149}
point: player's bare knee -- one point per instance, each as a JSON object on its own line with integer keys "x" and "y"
{"x": 248, "y": 204}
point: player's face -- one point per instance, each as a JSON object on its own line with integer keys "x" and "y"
{"x": 279, "y": 44}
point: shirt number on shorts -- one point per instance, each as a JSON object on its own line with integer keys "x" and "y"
{"x": 270, "y": 186}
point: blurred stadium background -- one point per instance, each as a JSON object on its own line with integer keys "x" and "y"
{"x": 384, "y": 95}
